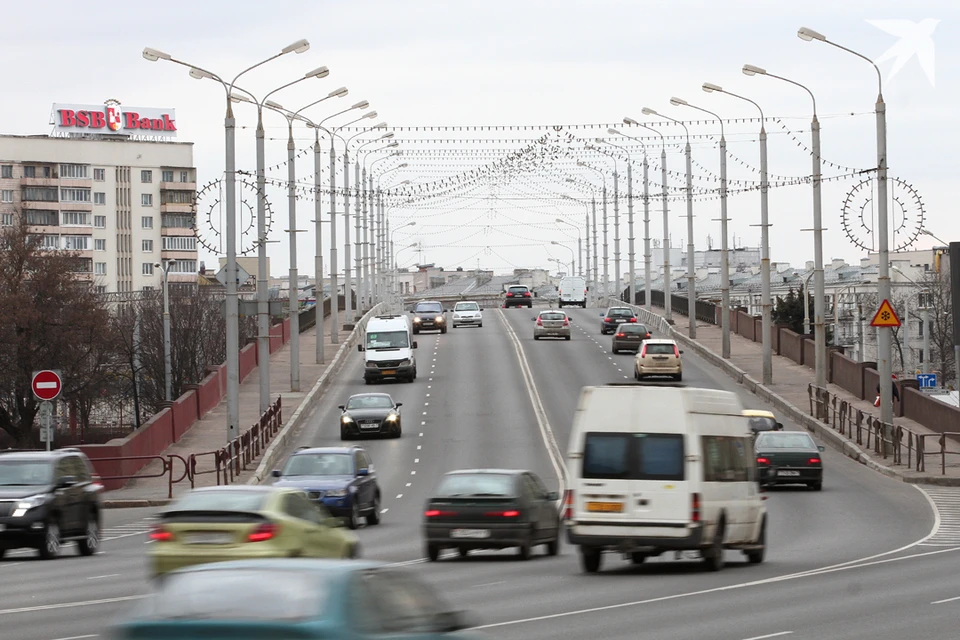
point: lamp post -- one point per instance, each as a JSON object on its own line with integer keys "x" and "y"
{"x": 691, "y": 271}
{"x": 819, "y": 285}
{"x": 724, "y": 255}
{"x": 765, "y": 301}
{"x": 579, "y": 241}
{"x": 616, "y": 215}
{"x": 396, "y": 273}
{"x": 884, "y": 334}
{"x": 167, "y": 357}
{"x": 806, "y": 304}
{"x": 606, "y": 245}
{"x": 573, "y": 259}
{"x": 384, "y": 234}
{"x": 231, "y": 302}
{"x": 631, "y": 253}
{"x": 647, "y": 257}
{"x": 360, "y": 213}
{"x": 667, "y": 295}
{"x": 376, "y": 222}
{"x": 371, "y": 206}
{"x": 591, "y": 207}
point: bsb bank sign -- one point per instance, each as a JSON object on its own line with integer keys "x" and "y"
{"x": 112, "y": 119}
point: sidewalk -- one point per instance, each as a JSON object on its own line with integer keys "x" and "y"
{"x": 790, "y": 384}
{"x": 209, "y": 433}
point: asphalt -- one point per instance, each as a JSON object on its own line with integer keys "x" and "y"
{"x": 470, "y": 407}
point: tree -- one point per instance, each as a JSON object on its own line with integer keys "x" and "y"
{"x": 939, "y": 301}
{"x": 49, "y": 319}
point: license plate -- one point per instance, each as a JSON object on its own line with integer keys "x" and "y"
{"x": 470, "y": 533}
{"x": 605, "y": 507}
{"x": 370, "y": 425}
{"x": 208, "y": 538}
{"x": 788, "y": 473}
{"x": 389, "y": 372}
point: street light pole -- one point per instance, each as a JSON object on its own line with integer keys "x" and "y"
{"x": 606, "y": 273}
{"x": 579, "y": 243}
{"x": 167, "y": 357}
{"x": 647, "y": 275}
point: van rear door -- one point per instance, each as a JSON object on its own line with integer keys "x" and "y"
{"x": 634, "y": 477}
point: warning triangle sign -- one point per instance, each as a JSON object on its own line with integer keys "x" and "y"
{"x": 886, "y": 316}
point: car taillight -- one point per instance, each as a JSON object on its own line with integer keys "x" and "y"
{"x": 264, "y": 532}
{"x": 509, "y": 295}
{"x": 813, "y": 461}
{"x": 633, "y": 319}
{"x": 643, "y": 351}
{"x": 607, "y": 320}
{"x": 526, "y": 295}
{"x": 621, "y": 335}
{"x": 159, "y": 534}
{"x": 568, "y": 505}
{"x": 566, "y": 322}
{"x": 676, "y": 351}
{"x": 763, "y": 461}
{"x": 435, "y": 513}
{"x": 646, "y": 336}
{"x": 503, "y": 514}
{"x": 695, "y": 508}
{"x": 539, "y": 321}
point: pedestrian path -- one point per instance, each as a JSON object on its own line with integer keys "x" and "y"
{"x": 947, "y": 500}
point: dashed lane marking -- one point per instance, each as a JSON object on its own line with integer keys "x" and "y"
{"x": 946, "y": 501}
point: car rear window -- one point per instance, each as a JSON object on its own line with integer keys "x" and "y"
{"x": 517, "y": 289}
{"x": 221, "y": 501}
{"x": 781, "y": 440}
{"x": 633, "y": 456}
{"x": 660, "y": 349}
{"x": 238, "y": 594}
{"x": 633, "y": 328}
{"x": 620, "y": 312}
{"x": 553, "y": 316}
{"x": 479, "y": 484}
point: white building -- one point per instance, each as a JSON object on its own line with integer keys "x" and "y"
{"x": 121, "y": 204}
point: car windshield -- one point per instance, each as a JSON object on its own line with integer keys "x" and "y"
{"x": 620, "y": 312}
{"x": 632, "y": 328}
{"x": 476, "y": 484}
{"x": 660, "y": 349}
{"x": 758, "y": 423}
{"x": 467, "y": 306}
{"x": 238, "y": 594}
{"x": 221, "y": 501}
{"x": 320, "y": 464}
{"x": 429, "y": 307}
{"x": 387, "y": 340}
{"x": 633, "y": 456}
{"x": 781, "y": 440}
{"x": 370, "y": 402}
{"x": 553, "y": 315}
{"x": 25, "y": 472}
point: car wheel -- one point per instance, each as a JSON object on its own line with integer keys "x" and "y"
{"x": 526, "y": 548}
{"x": 433, "y": 552}
{"x": 590, "y": 559}
{"x": 354, "y": 552}
{"x": 536, "y": 337}
{"x": 90, "y": 543}
{"x": 354, "y": 521}
{"x": 713, "y": 556}
{"x": 368, "y": 380}
{"x": 553, "y": 546}
{"x": 637, "y": 558}
{"x": 399, "y": 430}
{"x": 51, "y": 541}
{"x": 755, "y": 556}
{"x": 343, "y": 434}
{"x": 463, "y": 551}
{"x": 816, "y": 486}
{"x": 479, "y": 324}
{"x": 616, "y": 351}
{"x": 566, "y": 337}
{"x": 678, "y": 377}
{"x": 444, "y": 330}
{"x": 374, "y": 516}
{"x": 2, "y": 552}
{"x": 636, "y": 374}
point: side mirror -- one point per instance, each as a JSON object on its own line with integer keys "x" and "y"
{"x": 341, "y": 407}
{"x": 399, "y": 404}
{"x": 363, "y": 472}
{"x": 680, "y": 350}
{"x": 414, "y": 344}
{"x": 66, "y": 481}
{"x": 779, "y": 426}
{"x": 553, "y": 495}
{"x": 481, "y": 308}
{"x": 533, "y": 319}
{"x": 275, "y": 473}
{"x": 821, "y": 448}
{"x": 411, "y": 310}
{"x": 360, "y": 348}
{"x": 601, "y": 315}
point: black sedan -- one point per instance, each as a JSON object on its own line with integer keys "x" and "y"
{"x": 789, "y": 457}
{"x": 614, "y": 317}
{"x": 629, "y": 337}
{"x": 370, "y": 414}
{"x": 491, "y": 509}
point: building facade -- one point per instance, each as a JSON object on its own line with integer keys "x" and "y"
{"x": 122, "y": 205}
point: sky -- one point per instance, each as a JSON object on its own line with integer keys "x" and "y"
{"x": 424, "y": 63}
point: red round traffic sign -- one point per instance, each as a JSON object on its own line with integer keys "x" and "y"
{"x": 46, "y": 384}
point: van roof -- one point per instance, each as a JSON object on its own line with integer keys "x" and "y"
{"x": 382, "y": 323}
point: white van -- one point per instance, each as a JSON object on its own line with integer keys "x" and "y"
{"x": 388, "y": 344}
{"x": 573, "y": 291}
{"x": 655, "y": 468}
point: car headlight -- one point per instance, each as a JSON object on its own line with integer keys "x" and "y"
{"x": 346, "y": 419}
{"x": 392, "y": 417}
{"x": 28, "y": 503}
{"x": 456, "y": 316}
{"x": 416, "y": 319}
{"x": 370, "y": 365}
{"x": 405, "y": 363}
{"x": 336, "y": 493}
{"x": 439, "y": 318}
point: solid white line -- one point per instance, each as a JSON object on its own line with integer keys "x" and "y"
{"x": 109, "y": 575}
{"x": 947, "y": 600}
{"x": 68, "y": 605}
{"x": 770, "y": 635}
{"x": 79, "y": 637}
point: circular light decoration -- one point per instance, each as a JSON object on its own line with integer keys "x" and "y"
{"x": 210, "y": 223}
{"x": 905, "y": 212}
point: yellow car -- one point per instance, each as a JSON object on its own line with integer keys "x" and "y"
{"x": 217, "y": 524}
{"x": 761, "y": 420}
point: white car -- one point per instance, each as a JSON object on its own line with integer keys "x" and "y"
{"x": 467, "y": 313}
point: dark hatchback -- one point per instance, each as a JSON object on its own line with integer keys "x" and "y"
{"x": 370, "y": 414}
{"x": 428, "y": 316}
{"x": 48, "y": 498}
{"x": 341, "y": 479}
{"x": 518, "y": 296}
{"x": 789, "y": 457}
{"x": 614, "y": 317}
{"x": 491, "y": 509}
{"x": 629, "y": 337}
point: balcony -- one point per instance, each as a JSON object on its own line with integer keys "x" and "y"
{"x": 177, "y": 207}
{"x": 41, "y": 205}
{"x": 178, "y": 186}
{"x": 40, "y": 182}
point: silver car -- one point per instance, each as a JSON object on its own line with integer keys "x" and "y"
{"x": 551, "y": 324}
{"x": 467, "y": 314}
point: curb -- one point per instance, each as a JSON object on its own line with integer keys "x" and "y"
{"x": 310, "y": 402}
{"x": 134, "y": 504}
{"x": 823, "y": 432}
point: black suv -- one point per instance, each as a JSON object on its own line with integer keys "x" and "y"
{"x": 48, "y": 498}
{"x": 518, "y": 296}
{"x": 427, "y": 315}
{"x": 614, "y": 317}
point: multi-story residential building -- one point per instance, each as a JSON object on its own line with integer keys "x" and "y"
{"x": 123, "y": 205}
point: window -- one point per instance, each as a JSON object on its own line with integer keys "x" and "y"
{"x": 177, "y": 197}
{"x": 184, "y": 176}
{"x": 43, "y": 218}
{"x": 146, "y": 199}
{"x": 727, "y": 458}
{"x": 146, "y": 176}
{"x": 6, "y": 219}
{"x": 40, "y": 194}
{"x": 51, "y": 242}
{"x": 146, "y": 222}
{"x": 100, "y": 244}
{"x": 633, "y": 456}
{"x": 146, "y": 245}
{"x": 75, "y": 218}
{"x": 100, "y": 268}
{"x": 76, "y": 243}
{"x": 166, "y": 176}
{"x": 74, "y": 171}
{"x": 183, "y": 266}
{"x": 319, "y": 464}
{"x": 100, "y": 222}
{"x": 29, "y": 172}
{"x": 75, "y": 195}
{"x": 99, "y": 197}
{"x": 100, "y": 288}
{"x": 99, "y": 175}
{"x": 178, "y": 221}
{"x": 179, "y": 243}
{"x": 147, "y": 269}
{"x": 6, "y": 195}
{"x": 6, "y": 171}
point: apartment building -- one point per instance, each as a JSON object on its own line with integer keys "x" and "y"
{"x": 123, "y": 205}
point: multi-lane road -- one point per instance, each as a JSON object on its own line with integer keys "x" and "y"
{"x": 849, "y": 562}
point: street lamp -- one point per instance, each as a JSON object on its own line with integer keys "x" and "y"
{"x": 573, "y": 258}
{"x": 884, "y": 334}
{"x": 371, "y": 208}
{"x": 631, "y": 254}
{"x": 606, "y": 244}
{"x": 595, "y": 290}
{"x": 579, "y": 240}
{"x": 616, "y": 215}
{"x": 167, "y": 358}
{"x": 231, "y": 302}
{"x": 819, "y": 286}
{"x": 927, "y": 232}
{"x": 360, "y": 211}
{"x": 396, "y": 273}
{"x": 765, "y": 302}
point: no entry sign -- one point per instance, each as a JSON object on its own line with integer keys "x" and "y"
{"x": 46, "y": 384}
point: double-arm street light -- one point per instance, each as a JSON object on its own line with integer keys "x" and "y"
{"x": 594, "y": 290}
{"x": 631, "y": 290}
{"x": 631, "y": 264}
{"x": 884, "y": 334}
{"x": 167, "y": 357}
{"x": 616, "y": 215}
{"x": 765, "y": 301}
{"x": 579, "y": 241}
{"x": 231, "y": 302}
{"x": 606, "y": 244}
{"x": 395, "y": 287}
{"x": 573, "y": 259}
{"x": 359, "y": 212}
{"x": 363, "y": 212}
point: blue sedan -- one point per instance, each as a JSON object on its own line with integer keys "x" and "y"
{"x": 292, "y": 598}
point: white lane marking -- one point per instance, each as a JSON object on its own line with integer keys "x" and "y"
{"x": 69, "y": 605}
{"x": 399, "y": 495}
{"x": 426, "y": 404}
{"x": 793, "y": 576}
{"x": 428, "y": 395}
{"x": 546, "y": 432}
{"x": 409, "y": 483}
{"x": 416, "y": 460}
{"x": 490, "y": 584}
{"x": 424, "y": 413}
{"x": 421, "y": 435}
{"x": 109, "y": 575}
{"x": 79, "y": 637}
{"x": 770, "y": 635}
{"x": 947, "y": 600}
{"x": 384, "y": 510}
{"x": 945, "y": 502}
{"x": 413, "y": 473}
{"x": 419, "y": 447}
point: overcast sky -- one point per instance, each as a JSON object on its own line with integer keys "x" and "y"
{"x": 522, "y": 62}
